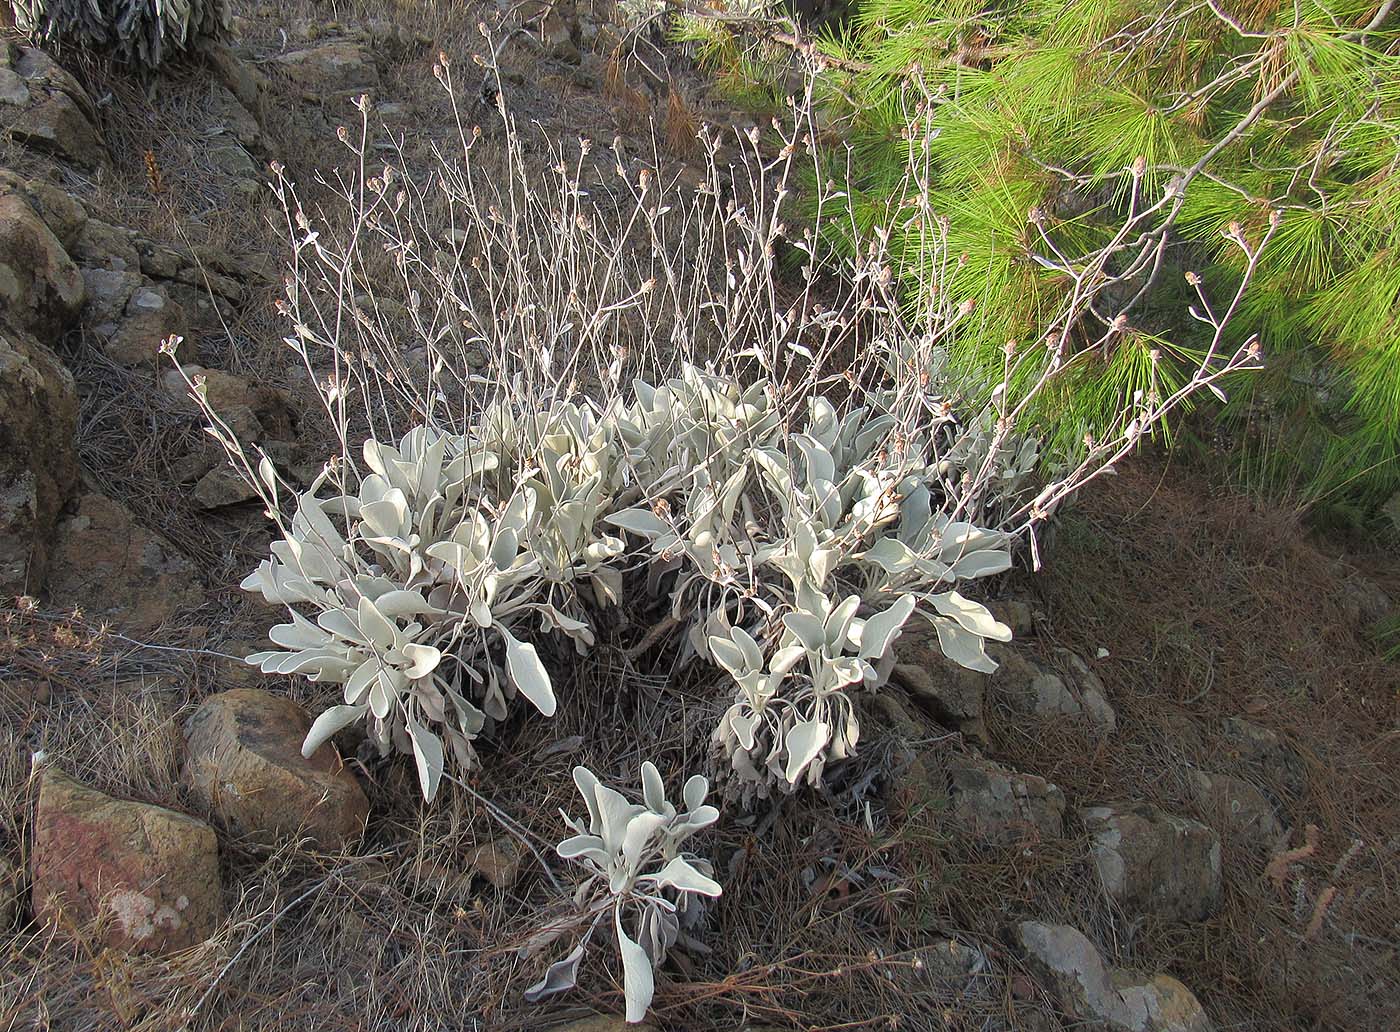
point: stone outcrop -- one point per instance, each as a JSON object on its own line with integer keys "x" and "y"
{"x": 1235, "y": 807}
{"x": 1099, "y": 997}
{"x": 114, "y": 569}
{"x": 243, "y": 763}
{"x": 43, "y": 107}
{"x": 38, "y": 460}
{"x": 41, "y": 290}
{"x": 1001, "y": 806}
{"x": 1155, "y": 863}
{"x": 139, "y": 877}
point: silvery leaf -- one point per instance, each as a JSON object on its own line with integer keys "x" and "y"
{"x": 427, "y": 754}
{"x": 679, "y": 874}
{"x": 804, "y": 741}
{"x": 561, "y": 976}
{"x": 638, "y": 982}
{"x": 327, "y": 724}
{"x": 528, "y": 673}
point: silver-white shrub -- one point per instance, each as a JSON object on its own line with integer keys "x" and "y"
{"x": 140, "y": 32}
{"x": 612, "y": 388}
{"x": 637, "y": 874}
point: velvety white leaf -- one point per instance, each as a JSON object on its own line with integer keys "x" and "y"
{"x": 809, "y": 630}
{"x": 974, "y": 616}
{"x": 637, "y": 979}
{"x": 528, "y": 673}
{"x": 963, "y": 647}
{"x": 583, "y": 845}
{"x": 880, "y": 630}
{"x": 561, "y": 976}
{"x": 982, "y": 563}
{"x": 653, "y": 788}
{"x": 695, "y": 790}
{"x": 427, "y": 754}
{"x": 327, "y": 724}
{"x": 680, "y": 874}
{"x": 425, "y": 660}
{"x": 804, "y": 741}
{"x": 729, "y": 655}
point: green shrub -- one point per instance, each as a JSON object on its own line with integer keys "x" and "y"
{"x": 1250, "y": 107}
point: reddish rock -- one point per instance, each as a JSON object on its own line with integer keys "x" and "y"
{"x": 243, "y": 762}
{"x": 141, "y": 877}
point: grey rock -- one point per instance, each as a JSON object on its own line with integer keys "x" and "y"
{"x": 1236, "y": 806}
{"x": 41, "y": 290}
{"x": 108, "y": 291}
{"x": 149, "y": 318}
{"x": 947, "y": 960}
{"x": 221, "y": 487}
{"x": 949, "y": 693}
{"x": 102, "y": 245}
{"x": 1266, "y": 751}
{"x": 331, "y": 68}
{"x": 12, "y": 88}
{"x": 114, "y": 569}
{"x": 1089, "y": 991}
{"x": 1001, "y": 806}
{"x": 57, "y": 117}
{"x": 61, "y": 211}
{"x": 1155, "y": 863}
{"x": 38, "y": 458}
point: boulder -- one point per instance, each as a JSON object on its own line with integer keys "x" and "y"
{"x": 223, "y": 486}
{"x": 254, "y": 411}
{"x": 949, "y": 693}
{"x": 149, "y": 317}
{"x": 102, "y": 245}
{"x": 60, "y": 210}
{"x": 1031, "y": 689}
{"x": 497, "y": 861}
{"x": 140, "y": 876}
{"x": 1236, "y": 807}
{"x": 1155, "y": 863}
{"x": 41, "y": 290}
{"x": 1091, "y": 992}
{"x": 1001, "y": 806}
{"x": 331, "y": 68}
{"x": 114, "y": 569}
{"x": 243, "y": 762}
{"x": 38, "y": 459}
{"x": 56, "y": 113}
{"x": 1268, "y": 753}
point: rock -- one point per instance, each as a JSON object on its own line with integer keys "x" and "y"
{"x": 157, "y": 260}
{"x": 497, "y": 861}
{"x": 243, "y": 762}
{"x": 603, "y": 1023}
{"x": 1015, "y": 614}
{"x": 1151, "y": 862}
{"x": 41, "y": 290}
{"x": 114, "y": 569}
{"x": 222, "y": 486}
{"x": 1364, "y": 602}
{"x": 144, "y": 877}
{"x": 57, "y": 117}
{"x": 331, "y": 68}
{"x": 108, "y": 292}
{"x": 1240, "y": 808}
{"x": 1028, "y": 688}
{"x": 233, "y": 117}
{"x": 60, "y": 210}
{"x": 208, "y": 279}
{"x": 255, "y": 412}
{"x": 1267, "y": 752}
{"x": 38, "y": 458}
{"x": 102, "y": 245}
{"x": 231, "y": 158}
{"x": 948, "y": 960}
{"x": 949, "y": 693}
{"x": 239, "y": 77}
{"x": 150, "y": 317}
{"x": 9, "y": 894}
{"x": 1001, "y": 806}
{"x": 1087, "y": 990}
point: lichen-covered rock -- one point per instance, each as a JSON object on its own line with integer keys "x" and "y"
{"x": 149, "y": 317}
{"x": 38, "y": 459}
{"x": 41, "y": 290}
{"x": 1002, "y": 806}
{"x": 1266, "y": 751}
{"x": 256, "y": 412}
{"x": 243, "y": 762}
{"x": 55, "y": 113}
{"x": 142, "y": 877}
{"x": 1155, "y": 863}
{"x": 114, "y": 569}
{"x": 331, "y": 68}
{"x": 60, "y": 210}
{"x": 1089, "y": 991}
{"x": 1239, "y": 808}
{"x": 949, "y": 693}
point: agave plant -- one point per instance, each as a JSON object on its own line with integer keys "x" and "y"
{"x": 140, "y": 32}
{"x": 636, "y": 872}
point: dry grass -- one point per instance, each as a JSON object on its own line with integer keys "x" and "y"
{"x": 1209, "y": 608}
